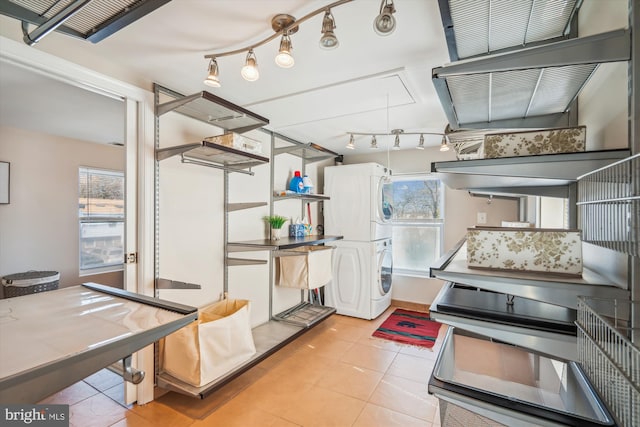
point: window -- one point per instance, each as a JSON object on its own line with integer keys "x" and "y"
{"x": 418, "y": 223}
{"x": 101, "y": 207}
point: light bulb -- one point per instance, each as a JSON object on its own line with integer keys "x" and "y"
{"x": 250, "y": 70}
{"x": 284, "y": 58}
{"x": 212, "y": 77}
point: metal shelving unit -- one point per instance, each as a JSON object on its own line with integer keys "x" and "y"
{"x": 280, "y": 329}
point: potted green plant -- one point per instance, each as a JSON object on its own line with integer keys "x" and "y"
{"x": 275, "y": 222}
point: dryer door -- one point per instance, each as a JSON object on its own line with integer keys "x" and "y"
{"x": 384, "y": 199}
{"x": 385, "y": 270}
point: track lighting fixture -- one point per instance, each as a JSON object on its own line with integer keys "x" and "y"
{"x": 444, "y": 146}
{"x": 284, "y": 58}
{"x": 397, "y": 133}
{"x": 212, "y": 77}
{"x": 250, "y": 70}
{"x": 286, "y": 25}
{"x": 328, "y": 39}
{"x": 385, "y": 23}
{"x": 351, "y": 145}
{"x": 396, "y": 143}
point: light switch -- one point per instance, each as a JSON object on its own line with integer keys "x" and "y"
{"x": 482, "y": 217}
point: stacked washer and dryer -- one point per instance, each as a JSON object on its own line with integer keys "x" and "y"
{"x": 360, "y": 210}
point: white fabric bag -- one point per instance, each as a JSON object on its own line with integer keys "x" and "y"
{"x": 213, "y": 345}
{"x": 309, "y": 269}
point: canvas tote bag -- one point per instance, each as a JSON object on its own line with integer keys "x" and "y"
{"x": 309, "y": 269}
{"x": 211, "y": 346}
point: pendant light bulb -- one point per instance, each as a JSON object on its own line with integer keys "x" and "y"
{"x": 444, "y": 146}
{"x": 374, "y": 143}
{"x": 385, "y": 23}
{"x": 212, "y": 77}
{"x": 250, "y": 70}
{"x": 351, "y": 145}
{"x": 328, "y": 39}
{"x": 421, "y": 143}
{"x": 396, "y": 144}
{"x": 284, "y": 58}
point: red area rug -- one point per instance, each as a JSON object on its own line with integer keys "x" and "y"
{"x": 409, "y": 327}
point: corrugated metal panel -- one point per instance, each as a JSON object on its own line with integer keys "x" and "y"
{"x": 558, "y": 87}
{"x": 90, "y": 20}
{"x": 470, "y": 95}
{"x": 90, "y": 17}
{"x": 484, "y": 26}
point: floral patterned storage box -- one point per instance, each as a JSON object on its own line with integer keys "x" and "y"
{"x": 541, "y": 250}
{"x": 532, "y": 143}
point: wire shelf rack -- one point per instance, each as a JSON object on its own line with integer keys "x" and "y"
{"x": 609, "y": 206}
{"x": 608, "y": 352}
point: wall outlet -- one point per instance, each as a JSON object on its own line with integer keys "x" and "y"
{"x": 482, "y": 218}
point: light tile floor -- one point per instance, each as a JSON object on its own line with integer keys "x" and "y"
{"x": 334, "y": 375}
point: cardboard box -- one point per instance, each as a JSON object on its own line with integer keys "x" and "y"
{"x": 237, "y": 141}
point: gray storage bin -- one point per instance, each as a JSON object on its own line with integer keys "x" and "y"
{"x": 30, "y": 282}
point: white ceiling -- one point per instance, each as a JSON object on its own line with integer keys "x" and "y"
{"x": 369, "y": 83}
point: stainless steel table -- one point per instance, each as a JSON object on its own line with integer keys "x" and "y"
{"x": 51, "y": 340}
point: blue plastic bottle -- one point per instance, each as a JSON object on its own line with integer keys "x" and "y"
{"x": 296, "y": 185}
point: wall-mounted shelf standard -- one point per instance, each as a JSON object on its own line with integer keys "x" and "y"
{"x": 282, "y": 243}
{"x": 213, "y": 155}
{"x": 216, "y": 111}
{"x": 310, "y": 152}
{"x": 303, "y": 197}
{"x": 534, "y": 174}
{"x": 552, "y": 289}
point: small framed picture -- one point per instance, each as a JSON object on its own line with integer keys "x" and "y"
{"x": 4, "y": 183}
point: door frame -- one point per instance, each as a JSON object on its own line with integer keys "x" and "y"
{"x": 140, "y": 164}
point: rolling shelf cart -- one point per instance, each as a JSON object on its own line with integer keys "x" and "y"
{"x": 281, "y": 329}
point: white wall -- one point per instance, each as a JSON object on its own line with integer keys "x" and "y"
{"x": 603, "y": 108}
{"x": 39, "y": 228}
{"x": 460, "y": 213}
{"x": 602, "y": 104}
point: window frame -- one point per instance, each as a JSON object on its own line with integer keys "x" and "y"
{"x": 107, "y": 219}
{"x": 438, "y": 224}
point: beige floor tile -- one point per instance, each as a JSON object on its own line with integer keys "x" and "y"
{"x": 241, "y": 415}
{"x": 274, "y": 394}
{"x": 411, "y": 367}
{"x": 71, "y": 395}
{"x": 369, "y": 357}
{"x": 104, "y": 379}
{"x": 422, "y": 352}
{"x": 133, "y": 420}
{"x": 96, "y": 411}
{"x": 351, "y": 380}
{"x": 346, "y": 332}
{"x": 326, "y": 346}
{"x": 155, "y": 412}
{"x": 116, "y": 393}
{"x": 321, "y": 407}
{"x": 304, "y": 367}
{"x": 377, "y": 416}
{"x": 405, "y": 396}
